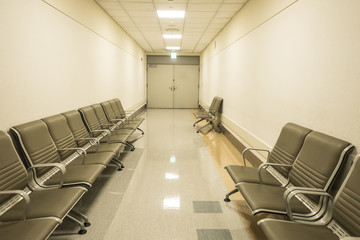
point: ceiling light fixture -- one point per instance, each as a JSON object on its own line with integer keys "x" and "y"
{"x": 173, "y": 48}
{"x": 170, "y": 14}
{"x": 172, "y": 36}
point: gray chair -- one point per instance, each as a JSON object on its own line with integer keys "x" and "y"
{"x": 114, "y": 117}
{"x": 210, "y": 115}
{"x": 284, "y": 152}
{"x": 34, "y": 229}
{"x": 28, "y": 211}
{"x": 341, "y": 220}
{"x": 82, "y": 136}
{"x": 127, "y": 115}
{"x": 102, "y": 129}
{"x": 38, "y": 148}
{"x": 66, "y": 143}
{"x": 315, "y": 167}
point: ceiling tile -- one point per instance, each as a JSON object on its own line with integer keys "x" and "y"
{"x": 146, "y": 14}
{"x": 230, "y": 7}
{"x": 235, "y": 1}
{"x": 145, "y": 20}
{"x": 110, "y": 5}
{"x": 124, "y": 19}
{"x": 205, "y": 1}
{"x": 133, "y": 6}
{"x": 199, "y": 14}
{"x": 170, "y": 6}
{"x": 167, "y": 1}
{"x": 203, "y": 21}
{"x": 117, "y": 13}
{"x": 139, "y": 1}
{"x": 202, "y": 7}
{"x": 224, "y": 14}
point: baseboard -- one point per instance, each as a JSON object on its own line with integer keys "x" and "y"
{"x": 240, "y": 138}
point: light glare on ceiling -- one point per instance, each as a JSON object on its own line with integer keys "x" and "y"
{"x": 172, "y": 36}
{"x": 173, "y": 48}
{"x": 170, "y": 14}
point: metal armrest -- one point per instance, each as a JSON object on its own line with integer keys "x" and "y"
{"x": 106, "y": 131}
{"x": 93, "y": 141}
{"x": 117, "y": 120}
{"x": 254, "y": 149}
{"x": 77, "y": 150}
{"x": 33, "y": 178}
{"x": 293, "y": 191}
{"x": 24, "y": 196}
{"x": 265, "y": 165}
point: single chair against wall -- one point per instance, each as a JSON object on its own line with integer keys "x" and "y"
{"x": 209, "y": 115}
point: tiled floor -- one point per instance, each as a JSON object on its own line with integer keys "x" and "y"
{"x": 172, "y": 188}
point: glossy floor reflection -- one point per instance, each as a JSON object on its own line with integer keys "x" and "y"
{"x": 172, "y": 188}
{"x": 175, "y": 170}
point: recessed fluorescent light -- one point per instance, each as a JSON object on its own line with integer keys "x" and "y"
{"x": 173, "y": 48}
{"x": 170, "y": 14}
{"x": 173, "y": 55}
{"x": 172, "y": 36}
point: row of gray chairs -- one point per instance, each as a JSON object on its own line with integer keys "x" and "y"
{"x": 61, "y": 157}
{"x": 296, "y": 181}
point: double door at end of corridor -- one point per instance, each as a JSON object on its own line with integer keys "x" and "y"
{"x": 173, "y": 86}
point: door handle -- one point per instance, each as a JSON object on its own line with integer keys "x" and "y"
{"x": 174, "y": 88}
{"x": 171, "y": 88}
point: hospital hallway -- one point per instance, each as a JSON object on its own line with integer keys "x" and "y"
{"x": 172, "y": 187}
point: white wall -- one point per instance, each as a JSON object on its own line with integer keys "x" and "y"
{"x": 50, "y": 63}
{"x": 299, "y": 64}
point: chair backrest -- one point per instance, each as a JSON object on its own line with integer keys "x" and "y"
{"x": 288, "y": 146}
{"x": 37, "y": 144}
{"x": 120, "y": 107}
{"x": 61, "y": 134}
{"x": 77, "y": 126}
{"x": 100, "y": 114}
{"x": 90, "y": 119}
{"x": 119, "y": 113}
{"x": 318, "y": 161}
{"x": 110, "y": 114}
{"x": 13, "y": 175}
{"x": 347, "y": 202}
{"x": 215, "y": 105}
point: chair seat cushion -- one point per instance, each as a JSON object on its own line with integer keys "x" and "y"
{"x": 202, "y": 115}
{"x": 114, "y": 138}
{"x": 46, "y": 203}
{"x": 285, "y": 230}
{"x": 78, "y": 174}
{"x": 107, "y": 147}
{"x": 34, "y": 229}
{"x": 266, "y": 198}
{"x": 94, "y": 158}
{"x": 250, "y": 175}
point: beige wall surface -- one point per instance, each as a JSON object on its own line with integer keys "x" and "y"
{"x": 50, "y": 63}
{"x": 300, "y": 65}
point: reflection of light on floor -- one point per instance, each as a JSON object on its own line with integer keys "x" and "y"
{"x": 171, "y": 202}
{"x": 172, "y": 159}
{"x": 171, "y": 176}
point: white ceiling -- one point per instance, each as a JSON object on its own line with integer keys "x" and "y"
{"x": 204, "y": 19}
